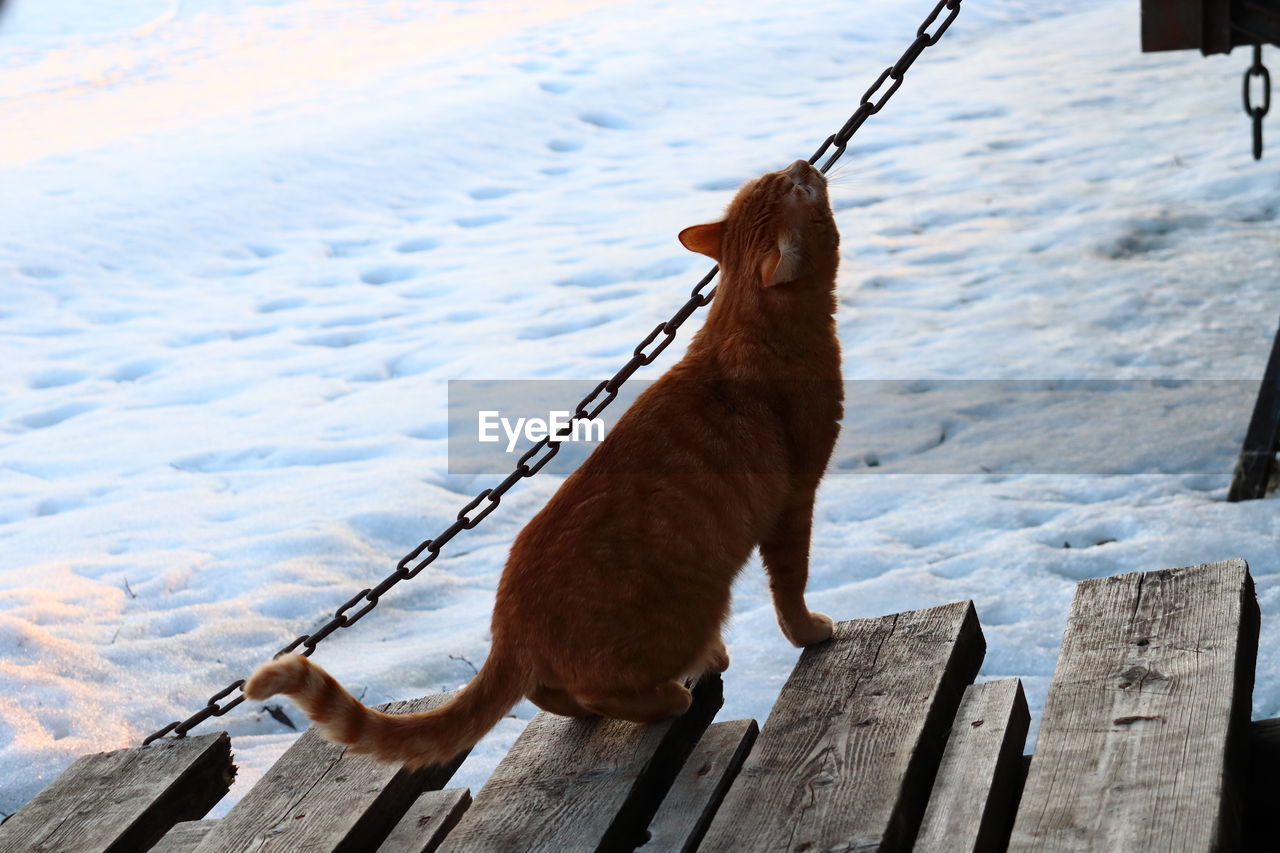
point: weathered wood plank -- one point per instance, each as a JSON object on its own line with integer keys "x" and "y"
{"x": 975, "y": 792}
{"x": 318, "y": 796}
{"x": 184, "y": 837}
{"x": 1261, "y": 817}
{"x": 1257, "y": 462}
{"x": 124, "y": 800}
{"x": 698, "y": 790}
{"x": 1146, "y": 716}
{"x": 425, "y": 825}
{"x": 847, "y": 757}
{"x": 582, "y": 784}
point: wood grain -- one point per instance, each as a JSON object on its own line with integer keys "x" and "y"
{"x": 848, "y": 755}
{"x": 123, "y": 801}
{"x": 975, "y": 793}
{"x": 698, "y": 790}
{"x": 184, "y": 837}
{"x": 320, "y": 797}
{"x": 1146, "y": 716}
{"x": 425, "y": 825}
{"x": 582, "y": 784}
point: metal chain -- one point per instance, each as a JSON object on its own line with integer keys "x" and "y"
{"x": 590, "y": 406}
{"x": 1257, "y": 70}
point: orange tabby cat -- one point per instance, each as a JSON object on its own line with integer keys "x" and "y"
{"x": 618, "y": 589}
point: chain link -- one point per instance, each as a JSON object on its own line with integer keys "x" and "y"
{"x": 589, "y": 407}
{"x": 1257, "y": 71}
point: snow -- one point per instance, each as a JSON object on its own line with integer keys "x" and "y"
{"x": 247, "y": 244}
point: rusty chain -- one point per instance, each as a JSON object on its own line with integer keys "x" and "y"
{"x": 537, "y": 456}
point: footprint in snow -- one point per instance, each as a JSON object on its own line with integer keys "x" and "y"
{"x": 347, "y": 248}
{"x": 855, "y": 202}
{"x": 539, "y": 331}
{"x": 480, "y": 221}
{"x": 58, "y": 725}
{"x": 40, "y": 272}
{"x": 564, "y": 146}
{"x": 978, "y": 113}
{"x": 284, "y": 303}
{"x": 56, "y": 506}
{"x": 134, "y": 370}
{"x": 251, "y": 250}
{"x": 591, "y": 278}
{"x": 612, "y": 294}
{"x": 238, "y": 272}
{"x": 173, "y": 624}
{"x": 387, "y": 275}
{"x": 54, "y": 416}
{"x": 350, "y": 320}
{"x": 339, "y": 340}
{"x": 486, "y": 193}
{"x": 55, "y": 378}
{"x": 940, "y": 258}
{"x": 417, "y": 244}
{"x": 608, "y": 121}
{"x": 266, "y": 457}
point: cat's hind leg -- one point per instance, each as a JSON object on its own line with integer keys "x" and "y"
{"x": 557, "y": 701}
{"x": 668, "y": 699}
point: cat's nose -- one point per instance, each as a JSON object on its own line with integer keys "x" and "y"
{"x": 799, "y": 170}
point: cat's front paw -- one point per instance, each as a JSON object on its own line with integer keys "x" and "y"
{"x": 819, "y": 628}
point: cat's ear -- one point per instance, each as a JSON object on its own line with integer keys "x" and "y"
{"x": 703, "y": 239}
{"x": 781, "y": 263}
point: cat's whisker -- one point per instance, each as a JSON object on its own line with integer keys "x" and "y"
{"x": 850, "y": 179}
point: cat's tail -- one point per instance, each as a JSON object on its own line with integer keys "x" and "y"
{"x": 430, "y": 737}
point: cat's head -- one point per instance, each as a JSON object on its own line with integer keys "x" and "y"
{"x": 778, "y": 229}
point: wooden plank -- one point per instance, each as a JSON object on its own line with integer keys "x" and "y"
{"x": 184, "y": 837}
{"x": 975, "y": 792}
{"x": 848, "y": 755}
{"x": 582, "y": 784}
{"x": 124, "y": 800}
{"x": 1146, "y": 716}
{"x": 698, "y": 790}
{"x": 1171, "y": 24}
{"x": 319, "y": 797}
{"x": 425, "y": 825}
{"x": 1261, "y": 817}
{"x": 1257, "y": 462}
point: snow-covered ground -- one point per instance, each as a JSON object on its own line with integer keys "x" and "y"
{"x": 244, "y": 245}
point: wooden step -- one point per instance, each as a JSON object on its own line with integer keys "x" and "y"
{"x": 582, "y": 784}
{"x": 847, "y": 757}
{"x": 1146, "y": 716}
{"x": 975, "y": 793}
{"x": 123, "y": 801}
{"x": 184, "y": 837}
{"x": 698, "y": 790}
{"x": 425, "y": 825}
{"x": 318, "y": 796}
